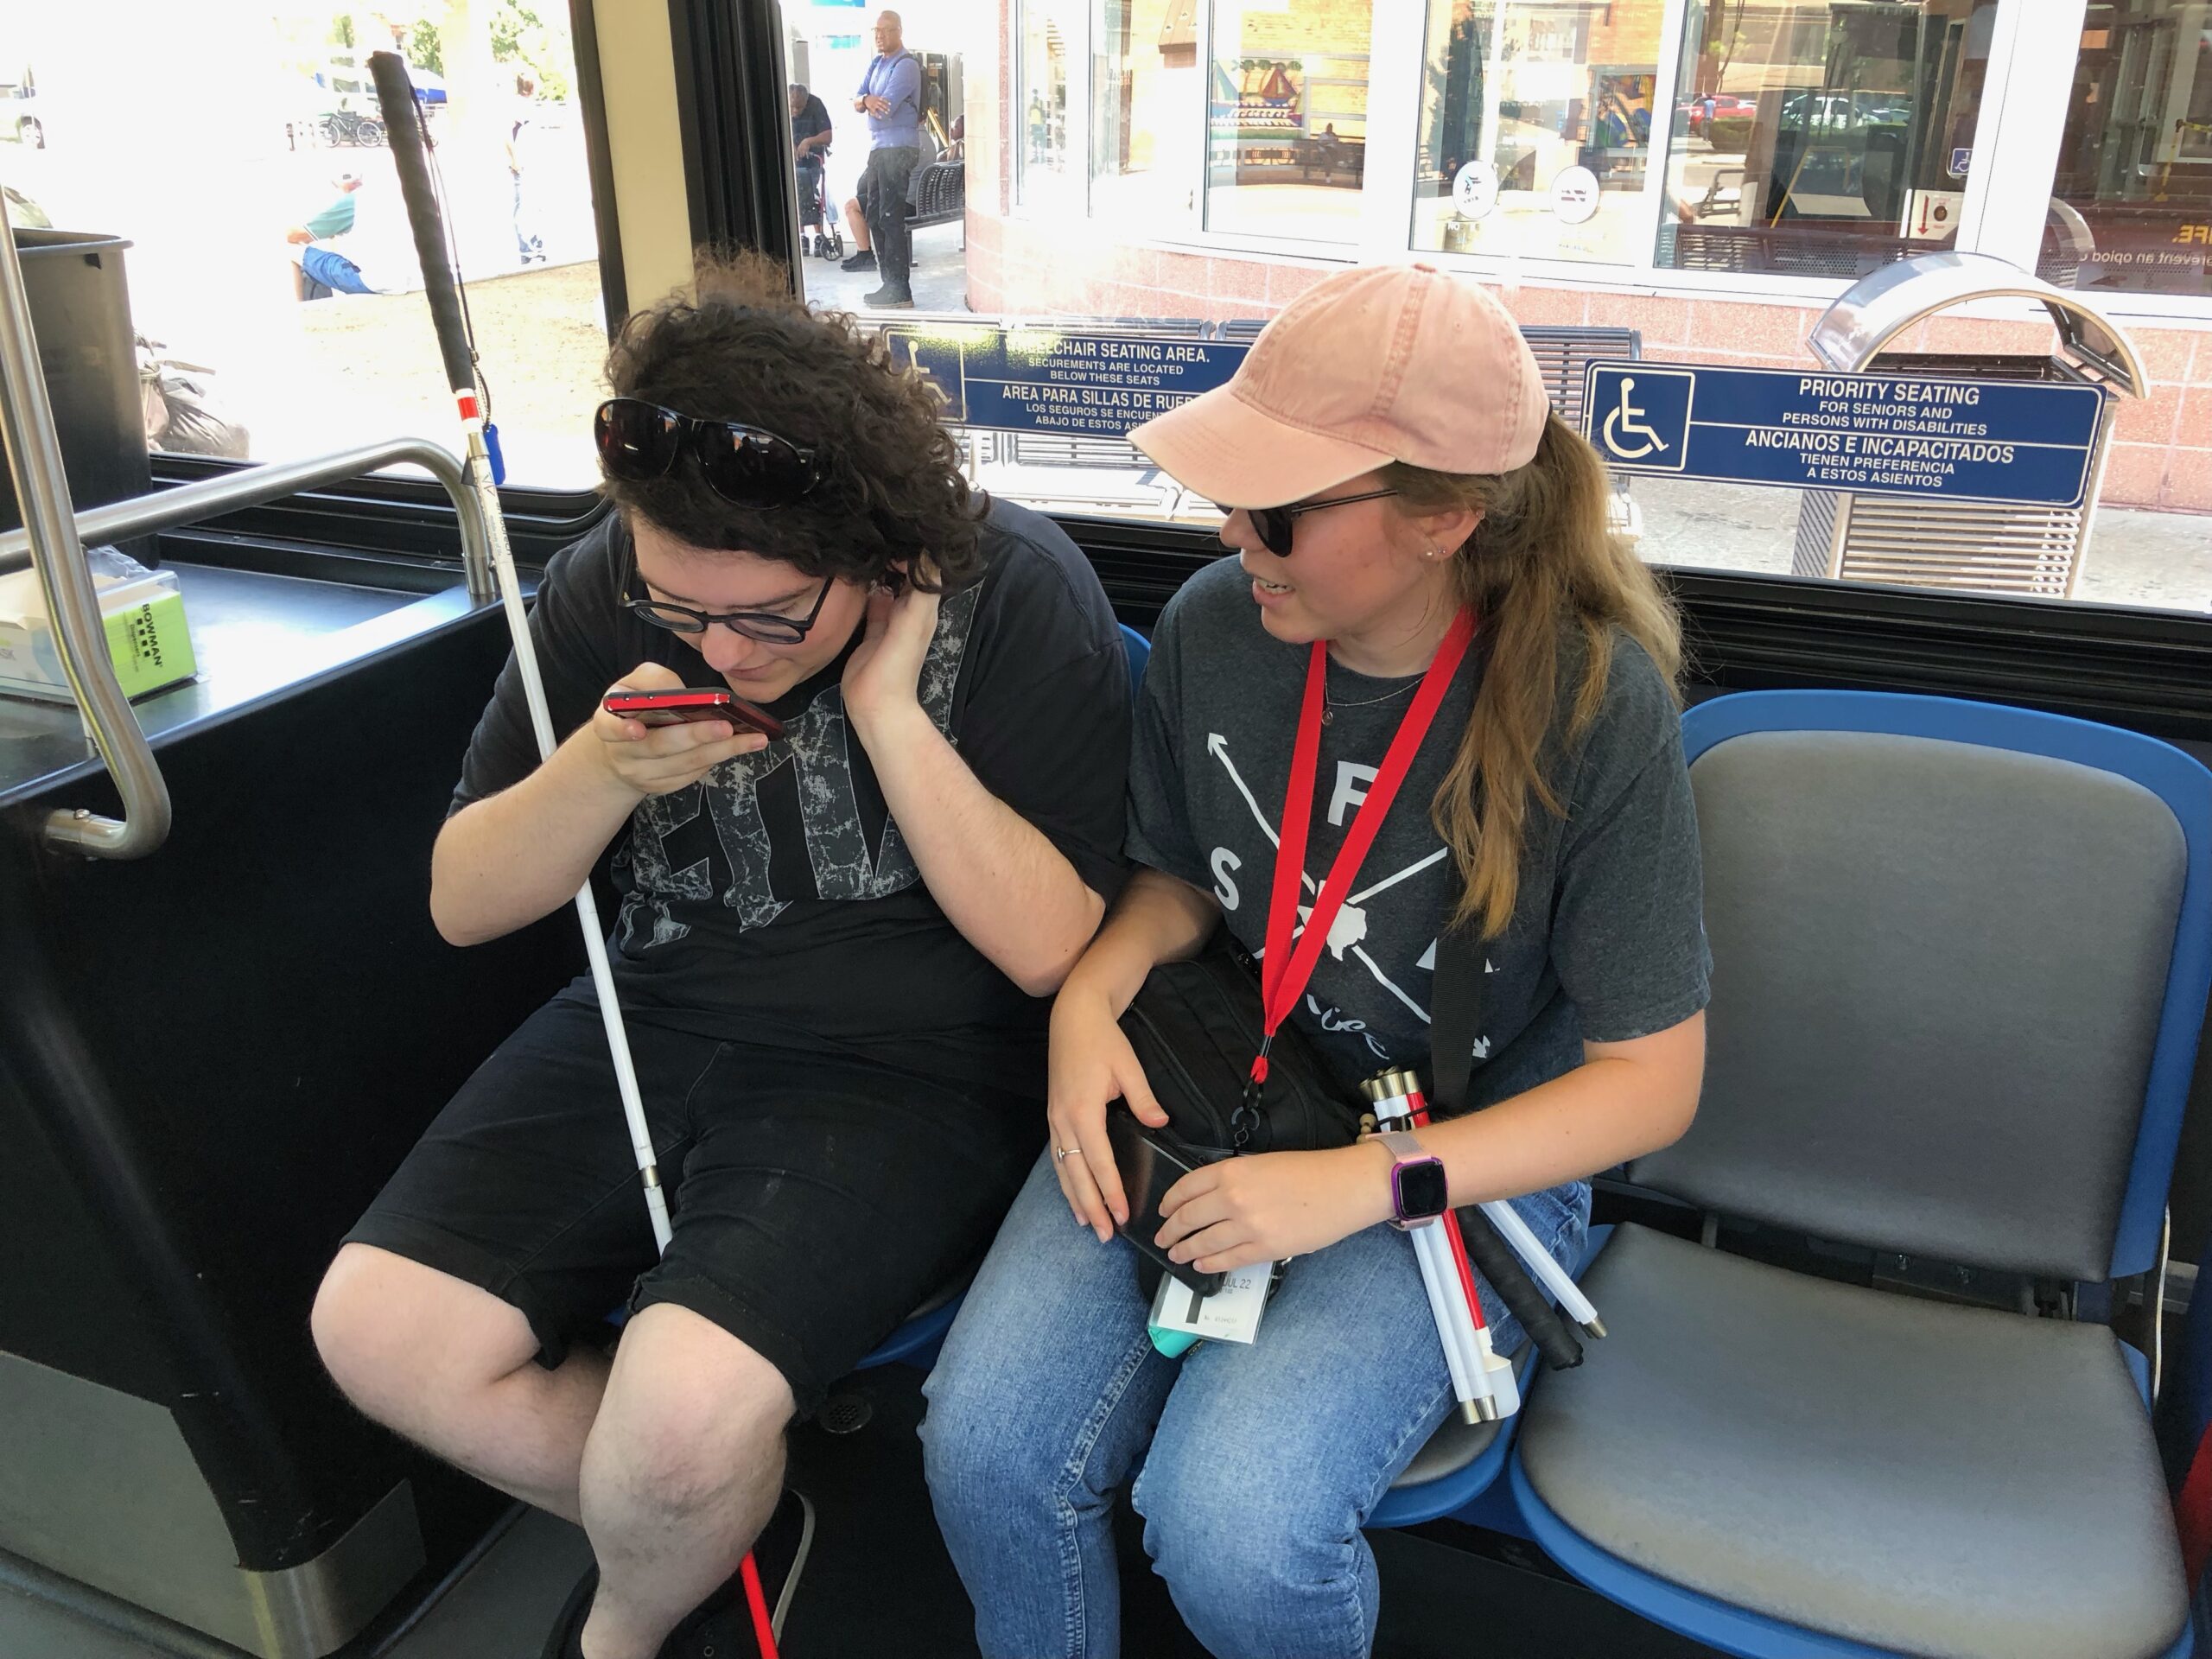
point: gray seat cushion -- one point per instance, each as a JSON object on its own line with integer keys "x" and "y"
{"x": 1914, "y": 1476}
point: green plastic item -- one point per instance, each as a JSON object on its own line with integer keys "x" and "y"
{"x": 1173, "y": 1343}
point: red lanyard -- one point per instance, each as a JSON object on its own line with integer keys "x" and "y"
{"x": 1286, "y": 970}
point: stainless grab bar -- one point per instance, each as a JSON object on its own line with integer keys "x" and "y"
{"x": 80, "y": 634}
{"x": 42, "y": 492}
{"x": 53, "y": 537}
{"x": 249, "y": 486}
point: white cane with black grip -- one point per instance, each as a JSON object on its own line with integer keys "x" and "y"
{"x": 403, "y": 122}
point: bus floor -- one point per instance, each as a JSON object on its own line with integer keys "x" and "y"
{"x": 878, "y": 1581}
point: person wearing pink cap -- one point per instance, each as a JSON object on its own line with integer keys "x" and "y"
{"x": 1398, "y": 491}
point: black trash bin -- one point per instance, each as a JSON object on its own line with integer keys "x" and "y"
{"x": 81, "y": 311}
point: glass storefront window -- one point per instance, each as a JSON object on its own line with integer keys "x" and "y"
{"x": 1148, "y": 103}
{"x": 1286, "y": 117}
{"x": 2131, "y": 205}
{"x": 1535, "y": 128}
{"x": 1051, "y": 32}
{"x": 1822, "y": 140}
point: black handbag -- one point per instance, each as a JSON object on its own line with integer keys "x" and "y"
{"x": 1195, "y": 1027}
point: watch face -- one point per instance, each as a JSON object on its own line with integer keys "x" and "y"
{"x": 1422, "y": 1190}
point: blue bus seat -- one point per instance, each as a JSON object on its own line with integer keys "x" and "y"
{"x": 1139, "y": 650}
{"x": 915, "y": 1341}
{"x": 1961, "y": 955}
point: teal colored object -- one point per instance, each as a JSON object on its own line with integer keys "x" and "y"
{"x": 1173, "y": 1343}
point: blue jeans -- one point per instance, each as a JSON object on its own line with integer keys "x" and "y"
{"x": 1263, "y": 1461}
{"x": 528, "y": 245}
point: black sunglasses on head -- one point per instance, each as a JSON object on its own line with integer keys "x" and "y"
{"x": 747, "y": 465}
{"x": 1273, "y": 523}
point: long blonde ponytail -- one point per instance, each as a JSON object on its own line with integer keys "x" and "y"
{"x": 1544, "y": 557}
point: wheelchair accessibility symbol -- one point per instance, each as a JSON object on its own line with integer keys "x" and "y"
{"x": 1640, "y": 414}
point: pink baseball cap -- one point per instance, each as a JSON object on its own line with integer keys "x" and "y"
{"x": 1377, "y": 364}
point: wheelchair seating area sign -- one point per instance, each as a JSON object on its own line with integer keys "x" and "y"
{"x": 1077, "y": 383}
{"x": 1905, "y": 434}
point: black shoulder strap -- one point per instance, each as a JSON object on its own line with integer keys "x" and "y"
{"x": 1455, "y": 1018}
{"x": 1456, "y": 991}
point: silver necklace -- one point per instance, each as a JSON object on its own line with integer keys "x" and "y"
{"x": 1330, "y": 705}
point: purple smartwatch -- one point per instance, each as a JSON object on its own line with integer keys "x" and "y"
{"x": 1418, "y": 1190}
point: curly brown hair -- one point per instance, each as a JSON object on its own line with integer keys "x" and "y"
{"x": 745, "y": 349}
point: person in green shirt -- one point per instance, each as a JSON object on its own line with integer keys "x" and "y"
{"x": 321, "y": 267}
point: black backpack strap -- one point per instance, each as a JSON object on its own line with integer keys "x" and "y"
{"x": 1455, "y": 1018}
{"x": 1455, "y": 1021}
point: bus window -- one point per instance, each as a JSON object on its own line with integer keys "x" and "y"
{"x": 1709, "y": 177}
{"x": 2132, "y": 208}
{"x": 272, "y": 274}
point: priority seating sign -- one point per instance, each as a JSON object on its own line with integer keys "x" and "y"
{"x": 1950, "y": 437}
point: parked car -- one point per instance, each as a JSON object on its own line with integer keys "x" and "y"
{"x": 1726, "y": 106}
{"x": 1837, "y": 112}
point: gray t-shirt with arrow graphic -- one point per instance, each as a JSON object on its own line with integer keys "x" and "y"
{"x": 1607, "y": 941}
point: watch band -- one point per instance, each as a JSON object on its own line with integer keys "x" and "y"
{"x": 1403, "y": 1144}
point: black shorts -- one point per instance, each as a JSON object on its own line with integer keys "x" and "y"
{"x": 817, "y": 1199}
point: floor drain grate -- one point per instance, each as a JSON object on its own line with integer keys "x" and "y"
{"x": 844, "y": 1413}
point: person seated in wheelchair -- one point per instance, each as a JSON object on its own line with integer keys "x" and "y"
{"x": 832, "y": 951}
{"x": 810, "y": 139}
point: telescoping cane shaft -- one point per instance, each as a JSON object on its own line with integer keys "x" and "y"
{"x": 403, "y": 123}
{"x": 1494, "y": 1258}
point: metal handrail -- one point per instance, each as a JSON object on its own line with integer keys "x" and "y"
{"x": 52, "y": 540}
{"x": 42, "y": 492}
{"x": 251, "y": 486}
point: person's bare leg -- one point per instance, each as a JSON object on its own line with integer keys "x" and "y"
{"x": 681, "y": 1473}
{"x": 858, "y": 221}
{"x": 454, "y": 1369}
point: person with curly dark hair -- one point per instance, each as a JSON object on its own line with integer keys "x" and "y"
{"x": 833, "y": 951}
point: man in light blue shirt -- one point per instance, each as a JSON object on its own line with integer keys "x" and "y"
{"x": 890, "y": 95}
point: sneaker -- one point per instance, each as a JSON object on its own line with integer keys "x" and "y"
{"x": 864, "y": 260}
{"x": 888, "y": 298}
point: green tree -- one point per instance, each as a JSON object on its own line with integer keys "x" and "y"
{"x": 520, "y": 35}
{"x": 425, "y": 47}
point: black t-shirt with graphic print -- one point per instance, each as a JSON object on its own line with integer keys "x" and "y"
{"x": 1607, "y": 941}
{"x": 775, "y": 899}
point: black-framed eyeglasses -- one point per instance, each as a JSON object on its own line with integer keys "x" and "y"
{"x": 764, "y": 626}
{"x": 747, "y": 465}
{"x": 1275, "y": 525}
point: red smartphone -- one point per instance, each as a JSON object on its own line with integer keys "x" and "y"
{"x": 673, "y": 707}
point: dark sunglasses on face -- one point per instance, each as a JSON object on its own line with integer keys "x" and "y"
{"x": 1273, "y": 523}
{"x": 747, "y": 465}
{"x": 764, "y": 626}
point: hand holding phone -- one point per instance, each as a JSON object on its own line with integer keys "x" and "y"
{"x": 692, "y": 704}
{"x": 654, "y": 734}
